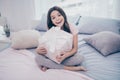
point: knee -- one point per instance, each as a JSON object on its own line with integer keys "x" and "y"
{"x": 81, "y": 58}
{"x": 39, "y": 60}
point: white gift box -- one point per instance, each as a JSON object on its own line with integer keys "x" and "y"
{"x": 56, "y": 41}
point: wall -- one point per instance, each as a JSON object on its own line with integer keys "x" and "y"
{"x": 117, "y": 9}
{"x": 42, "y": 6}
{"x": 18, "y": 13}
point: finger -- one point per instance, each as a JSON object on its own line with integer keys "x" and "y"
{"x": 63, "y": 52}
{"x": 58, "y": 57}
{"x": 41, "y": 48}
{"x": 59, "y": 60}
{"x": 44, "y": 52}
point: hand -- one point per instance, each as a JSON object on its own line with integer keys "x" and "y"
{"x": 61, "y": 57}
{"x": 41, "y": 50}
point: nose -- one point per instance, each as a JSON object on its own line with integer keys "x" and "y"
{"x": 57, "y": 18}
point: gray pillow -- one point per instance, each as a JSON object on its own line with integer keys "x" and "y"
{"x": 105, "y": 42}
{"x": 90, "y": 25}
{"x": 42, "y": 26}
{"x": 74, "y": 19}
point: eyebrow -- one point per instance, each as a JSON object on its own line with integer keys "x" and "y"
{"x": 58, "y": 13}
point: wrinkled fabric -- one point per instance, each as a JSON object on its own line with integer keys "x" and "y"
{"x": 56, "y": 41}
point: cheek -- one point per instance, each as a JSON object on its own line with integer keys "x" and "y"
{"x": 53, "y": 21}
{"x": 63, "y": 21}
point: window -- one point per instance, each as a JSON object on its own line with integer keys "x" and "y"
{"x": 97, "y": 8}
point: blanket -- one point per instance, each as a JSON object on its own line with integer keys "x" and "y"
{"x": 21, "y": 65}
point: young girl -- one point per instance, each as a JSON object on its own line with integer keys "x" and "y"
{"x": 70, "y": 60}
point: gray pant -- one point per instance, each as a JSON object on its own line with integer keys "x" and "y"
{"x": 70, "y": 61}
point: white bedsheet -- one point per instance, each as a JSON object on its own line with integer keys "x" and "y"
{"x": 21, "y": 65}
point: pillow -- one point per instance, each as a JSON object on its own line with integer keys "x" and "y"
{"x": 91, "y": 25}
{"x": 42, "y": 26}
{"x": 25, "y": 39}
{"x": 56, "y": 41}
{"x": 74, "y": 19}
{"x": 105, "y": 42}
{"x": 2, "y": 32}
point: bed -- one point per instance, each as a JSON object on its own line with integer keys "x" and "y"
{"x": 20, "y": 64}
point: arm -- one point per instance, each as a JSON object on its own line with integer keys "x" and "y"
{"x": 74, "y": 31}
{"x": 75, "y": 46}
{"x": 41, "y": 50}
{"x": 61, "y": 57}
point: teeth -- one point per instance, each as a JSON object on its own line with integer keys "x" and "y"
{"x": 58, "y": 22}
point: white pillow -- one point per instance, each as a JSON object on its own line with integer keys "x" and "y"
{"x": 25, "y": 39}
{"x": 56, "y": 41}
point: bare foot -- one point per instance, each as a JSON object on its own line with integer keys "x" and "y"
{"x": 43, "y": 68}
{"x": 82, "y": 68}
{"x": 75, "y": 68}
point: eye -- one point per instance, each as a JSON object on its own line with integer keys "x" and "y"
{"x": 53, "y": 18}
{"x": 59, "y": 14}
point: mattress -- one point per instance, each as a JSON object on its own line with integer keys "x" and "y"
{"x": 98, "y": 66}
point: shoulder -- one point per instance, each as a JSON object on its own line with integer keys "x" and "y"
{"x": 73, "y": 29}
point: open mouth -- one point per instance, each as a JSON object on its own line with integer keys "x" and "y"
{"x": 59, "y": 22}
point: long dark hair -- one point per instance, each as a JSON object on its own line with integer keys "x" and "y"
{"x": 50, "y": 24}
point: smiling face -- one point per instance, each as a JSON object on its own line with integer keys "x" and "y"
{"x": 57, "y": 19}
